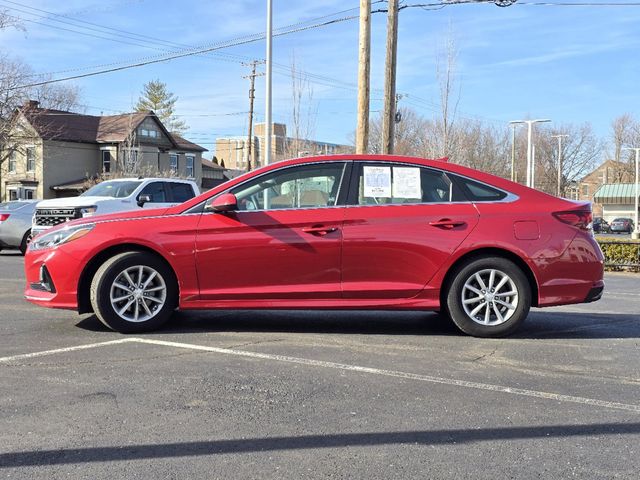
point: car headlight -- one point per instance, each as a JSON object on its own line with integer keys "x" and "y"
{"x": 88, "y": 211}
{"x": 59, "y": 237}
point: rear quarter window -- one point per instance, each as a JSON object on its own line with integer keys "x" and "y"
{"x": 479, "y": 192}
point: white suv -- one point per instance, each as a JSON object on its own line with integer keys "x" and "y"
{"x": 113, "y": 196}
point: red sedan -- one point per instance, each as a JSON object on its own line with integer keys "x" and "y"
{"x": 335, "y": 232}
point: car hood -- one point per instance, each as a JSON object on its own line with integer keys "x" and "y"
{"x": 76, "y": 202}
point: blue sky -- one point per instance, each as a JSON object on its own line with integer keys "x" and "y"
{"x": 570, "y": 64}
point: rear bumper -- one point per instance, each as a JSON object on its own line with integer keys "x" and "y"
{"x": 575, "y": 277}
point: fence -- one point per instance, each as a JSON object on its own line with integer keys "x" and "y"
{"x": 621, "y": 255}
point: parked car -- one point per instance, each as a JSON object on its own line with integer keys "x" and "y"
{"x": 622, "y": 225}
{"x": 600, "y": 225}
{"x": 119, "y": 195}
{"x": 334, "y": 232}
{"x": 15, "y": 224}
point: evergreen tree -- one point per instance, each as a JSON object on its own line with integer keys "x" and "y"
{"x": 156, "y": 97}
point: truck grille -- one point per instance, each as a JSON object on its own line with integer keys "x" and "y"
{"x": 50, "y": 217}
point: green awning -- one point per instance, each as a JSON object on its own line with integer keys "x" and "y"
{"x": 616, "y": 193}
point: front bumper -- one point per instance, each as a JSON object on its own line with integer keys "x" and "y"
{"x": 52, "y": 278}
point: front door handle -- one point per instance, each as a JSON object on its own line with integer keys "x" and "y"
{"x": 447, "y": 223}
{"x": 319, "y": 230}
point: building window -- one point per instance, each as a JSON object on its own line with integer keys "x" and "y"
{"x": 585, "y": 190}
{"x": 31, "y": 159}
{"x": 12, "y": 162}
{"x": 106, "y": 161}
{"x": 173, "y": 162}
{"x": 190, "y": 163}
{"x": 29, "y": 194}
{"x": 13, "y": 195}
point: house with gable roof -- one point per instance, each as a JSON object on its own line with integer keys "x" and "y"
{"x": 54, "y": 152}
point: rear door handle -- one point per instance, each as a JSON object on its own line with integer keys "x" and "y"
{"x": 319, "y": 230}
{"x": 447, "y": 223}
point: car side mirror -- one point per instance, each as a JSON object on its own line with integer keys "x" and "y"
{"x": 227, "y": 202}
{"x": 142, "y": 199}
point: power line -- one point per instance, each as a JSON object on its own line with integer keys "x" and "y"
{"x": 220, "y": 45}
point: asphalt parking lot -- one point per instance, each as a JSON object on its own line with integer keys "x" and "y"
{"x": 320, "y": 394}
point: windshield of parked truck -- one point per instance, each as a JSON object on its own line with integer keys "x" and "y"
{"x": 113, "y": 189}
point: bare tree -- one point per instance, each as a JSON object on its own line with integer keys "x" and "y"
{"x": 449, "y": 93}
{"x": 303, "y": 114}
{"x": 7, "y": 20}
{"x": 129, "y": 158}
{"x": 581, "y": 150}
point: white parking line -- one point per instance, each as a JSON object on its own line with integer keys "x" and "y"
{"x": 66, "y": 349}
{"x": 411, "y": 376}
{"x": 340, "y": 366}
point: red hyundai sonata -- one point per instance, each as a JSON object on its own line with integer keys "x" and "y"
{"x": 334, "y": 232}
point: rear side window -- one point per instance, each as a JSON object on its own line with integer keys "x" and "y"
{"x": 386, "y": 184}
{"x": 479, "y": 192}
{"x": 181, "y": 192}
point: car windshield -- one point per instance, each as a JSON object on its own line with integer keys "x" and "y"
{"x": 113, "y": 189}
{"x": 620, "y": 220}
{"x": 12, "y": 205}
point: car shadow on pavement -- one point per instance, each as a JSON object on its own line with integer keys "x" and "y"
{"x": 541, "y": 324}
{"x": 307, "y": 442}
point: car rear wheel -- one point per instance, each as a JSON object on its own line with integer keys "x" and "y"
{"x": 488, "y": 297}
{"x": 25, "y": 242}
{"x": 134, "y": 292}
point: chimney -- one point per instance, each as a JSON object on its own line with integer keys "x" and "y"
{"x": 31, "y": 104}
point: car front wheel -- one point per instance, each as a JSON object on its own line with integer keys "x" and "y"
{"x": 488, "y": 297}
{"x": 134, "y": 292}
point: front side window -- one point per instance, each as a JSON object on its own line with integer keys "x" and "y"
{"x": 190, "y": 162}
{"x": 31, "y": 159}
{"x": 156, "y": 191}
{"x": 386, "y": 184}
{"x": 308, "y": 186}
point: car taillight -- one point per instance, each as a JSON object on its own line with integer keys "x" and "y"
{"x": 576, "y": 218}
{"x": 4, "y": 217}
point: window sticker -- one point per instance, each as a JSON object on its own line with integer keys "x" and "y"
{"x": 377, "y": 182}
{"x": 406, "y": 182}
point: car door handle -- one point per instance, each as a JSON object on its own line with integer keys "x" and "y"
{"x": 319, "y": 230}
{"x": 447, "y": 223}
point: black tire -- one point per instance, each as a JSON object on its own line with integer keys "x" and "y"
{"x": 498, "y": 323}
{"x": 25, "y": 242}
{"x": 104, "y": 292}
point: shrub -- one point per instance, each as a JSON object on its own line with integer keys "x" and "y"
{"x": 620, "y": 254}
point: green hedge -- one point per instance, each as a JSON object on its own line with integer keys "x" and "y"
{"x": 620, "y": 254}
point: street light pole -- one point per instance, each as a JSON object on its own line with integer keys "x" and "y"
{"x": 636, "y": 234}
{"x": 559, "y": 137}
{"x": 530, "y": 165}
{"x": 513, "y": 152}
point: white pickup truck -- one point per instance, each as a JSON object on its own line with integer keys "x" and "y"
{"x": 113, "y": 196}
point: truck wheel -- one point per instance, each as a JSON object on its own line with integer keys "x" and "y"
{"x": 489, "y": 297}
{"x": 134, "y": 292}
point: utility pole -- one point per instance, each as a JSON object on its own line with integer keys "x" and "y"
{"x": 252, "y": 90}
{"x": 267, "y": 111}
{"x": 530, "y": 163}
{"x": 635, "y": 235}
{"x": 559, "y": 137}
{"x": 388, "y": 119}
{"x": 364, "y": 68}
